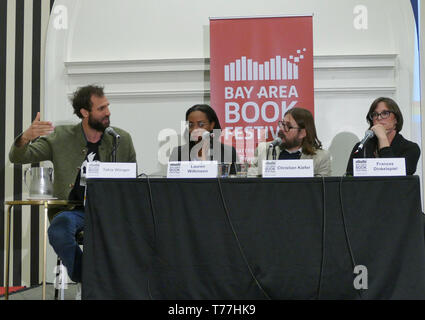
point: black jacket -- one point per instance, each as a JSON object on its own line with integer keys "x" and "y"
{"x": 399, "y": 148}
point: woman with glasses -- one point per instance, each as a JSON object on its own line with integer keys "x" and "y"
{"x": 386, "y": 121}
{"x": 203, "y": 134}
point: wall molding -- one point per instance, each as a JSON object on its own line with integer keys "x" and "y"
{"x": 387, "y": 61}
{"x": 206, "y": 93}
{"x": 136, "y": 66}
{"x": 189, "y": 77}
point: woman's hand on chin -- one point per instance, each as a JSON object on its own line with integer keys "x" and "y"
{"x": 196, "y": 134}
{"x": 381, "y": 134}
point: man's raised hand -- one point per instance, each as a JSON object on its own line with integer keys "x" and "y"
{"x": 38, "y": 128}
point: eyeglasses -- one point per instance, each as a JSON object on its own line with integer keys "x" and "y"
{"x": 286, "y": 127}
{"x": 384, "y": 115}
{"x": 201, "y": 124}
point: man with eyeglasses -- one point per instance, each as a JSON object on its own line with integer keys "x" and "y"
{"x": 386, "y": 121}
{"x": 299, "y": 141}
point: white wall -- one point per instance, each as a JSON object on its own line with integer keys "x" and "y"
{"x": 150, "y": 55}
{"x": 154, "y": 29}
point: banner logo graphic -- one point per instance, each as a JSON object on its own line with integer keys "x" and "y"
{"x": 276, "y": 68}
{"x": 260, "y": 68}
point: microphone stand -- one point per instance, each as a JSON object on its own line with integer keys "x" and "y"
{"x": 114, "y": 150}
{"x": 274, "y": 153}
{"x": 211, "y": 148}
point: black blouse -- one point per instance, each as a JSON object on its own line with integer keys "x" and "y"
{"x": 399, "y": 148}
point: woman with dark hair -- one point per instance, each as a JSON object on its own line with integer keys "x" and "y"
{"x": 386, "y": 121}
{"x": 204, "y": 132}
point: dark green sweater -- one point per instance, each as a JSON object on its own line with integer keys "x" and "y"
{"x": 66, "y": 147}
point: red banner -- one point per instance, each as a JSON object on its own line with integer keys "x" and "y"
{"x": 260, "y": 68}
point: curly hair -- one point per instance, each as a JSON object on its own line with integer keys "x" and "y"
{"x": 81, "y": 98}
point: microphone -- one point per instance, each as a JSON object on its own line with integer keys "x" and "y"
{"x": 272, "y": 146}
{"x": 112, "y": 132}
{"x": 368, "y": 135}
{"x": 275, "y": 142}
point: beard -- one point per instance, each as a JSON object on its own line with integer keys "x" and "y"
{"x": 98, "y": 125}
{"x": 290, "y": 144}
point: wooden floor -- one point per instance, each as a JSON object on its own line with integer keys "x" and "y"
{"x": 35, "y": 293}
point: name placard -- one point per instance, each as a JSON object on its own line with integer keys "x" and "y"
{"x": 301, "y": 168}
{"x": 192, "y": 169}
{"x": 98, "y": 169}
{"x": 378, "y": 167}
